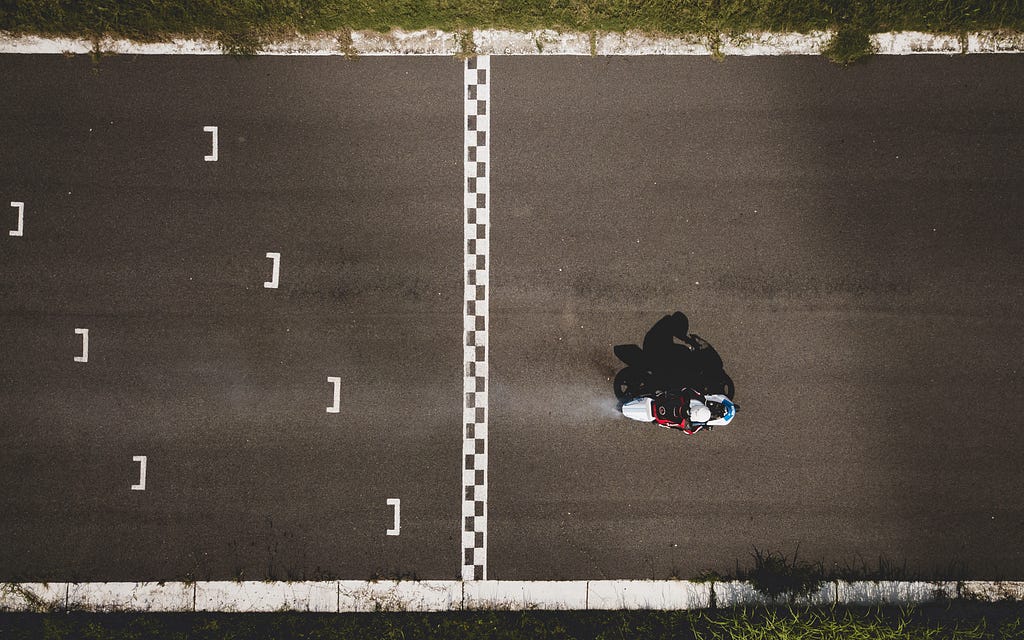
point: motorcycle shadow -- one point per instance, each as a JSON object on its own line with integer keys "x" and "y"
{"x": 671, "y": 358}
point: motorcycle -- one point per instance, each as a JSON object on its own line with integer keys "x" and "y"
{"x": 672, "y": 410}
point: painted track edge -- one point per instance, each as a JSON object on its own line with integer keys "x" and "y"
{"x": 543, "y": 42}
{"x": 341, "y": 596}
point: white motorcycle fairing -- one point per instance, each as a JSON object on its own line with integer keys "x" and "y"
{"x": 641, "y": 409}
{"x": 730, "y": 410}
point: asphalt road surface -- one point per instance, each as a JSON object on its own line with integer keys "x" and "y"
{"x": 848, "y": 239}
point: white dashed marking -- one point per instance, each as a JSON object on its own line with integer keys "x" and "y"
{"x": 213, "y": 155}
{"x": 336, "y": 407}
{"x": 397, "y": 504}
{"x": 141, "y": 486}
{"x": 20, "y": 206}
{"x": 85, "y": 345}
{"x": 275, "y": 275}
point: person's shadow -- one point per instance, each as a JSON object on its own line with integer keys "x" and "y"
{"x": 670, "y": 359}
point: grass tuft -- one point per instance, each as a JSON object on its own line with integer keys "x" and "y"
{"x": 776, "y": 575}
{"x": 465, "y": 44}
{"x": 848, "y": 45}
{"x": 345, "y": 44}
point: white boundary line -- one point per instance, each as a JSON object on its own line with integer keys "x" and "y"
{"x": 542, "y": 42}
{"x": 456, "y": 595}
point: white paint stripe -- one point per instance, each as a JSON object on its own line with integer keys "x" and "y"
{"x": 641, "y": 594}
{"x": 131, "y": 596}
{"x": 892, "y": 592}
{"x": 513, "y": 594}
{"x": 213, "y": 155}
{"x": 276, "y": 271}
{"x": 542, "y": 42}
{"x": 336, "y": 407}
{"x": 390, "y": 595}
{"x": 251, "y": 596}
{"x": 397, "y": 528}
{"x": 85, "y": 345}
{"x": 992, "y": 591}
{"x": 454, "y": 595}
{"x": 141, "y": 486}
{"x": 20, "y": 229}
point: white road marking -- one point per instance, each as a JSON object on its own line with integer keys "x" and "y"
{"x": 213, "y": 156}
{"x": 336, "y": 596}
{"x": 540, "y": 43}
{"x": 142, "y": 473}
{"x": 20, "y": 206}
{"x": 276, "y": 274}
{"x": 476, "y": 284}
{"x": 336, "y": 407}
{"x": 85, "y": 345}
{"x": 397, "y": 504}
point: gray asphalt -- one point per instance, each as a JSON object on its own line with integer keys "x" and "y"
{"x": 848, "y": 240}
{"x": 351, "y": 172}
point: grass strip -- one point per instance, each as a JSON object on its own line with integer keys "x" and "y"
{"x": 961, "y": 621}
{"x": 244, "y": 26}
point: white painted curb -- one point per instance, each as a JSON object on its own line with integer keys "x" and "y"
{"x": 888, "y": 592}
{"x": 739, "y": 594}
{"x": 541, "y": 42}
{"x": 390, "y": 595}
{"x": 648, "y": 594}
{"x": 253, "y": 596}
{"x": 992, "y": 591}
{"x": 453, "y": 595}
{"x": 34, "y": 596}
{"x": 130, "y": 596}
{"x": 515, "y": 595}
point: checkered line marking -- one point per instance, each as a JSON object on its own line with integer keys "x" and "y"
{"x": 477, "y": 257}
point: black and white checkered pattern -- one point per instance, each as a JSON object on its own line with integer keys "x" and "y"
{"x": 477, "y": 256}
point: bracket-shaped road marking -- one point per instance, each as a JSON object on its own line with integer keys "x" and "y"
{"x": 336, "y": 407}
{"x": 20, "y": 206}
{"x": 142, "y": 473}
{"x": 85, "y": 345}
{"x": 213, "y": 156}
{"x": 276, "y": 273}
{"x": 397, "y": 504}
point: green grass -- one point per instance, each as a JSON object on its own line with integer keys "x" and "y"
{"x": 964, "y": 621}
{"x": 850, "y": 624}
{"x": 243, "y": 26}
{"x": 848, "y": 46}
